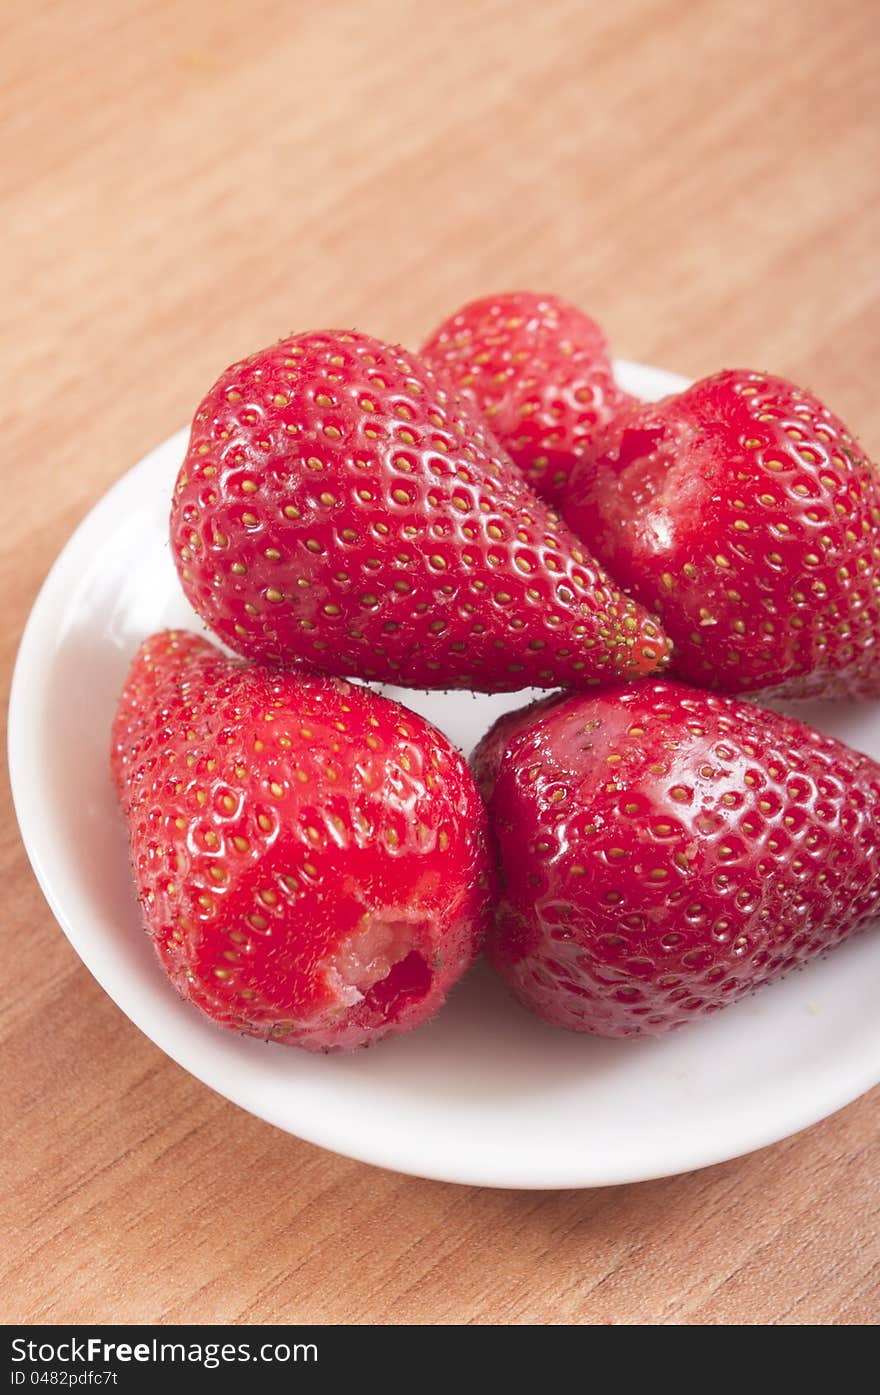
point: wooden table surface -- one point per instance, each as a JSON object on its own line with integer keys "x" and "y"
{"x": 182, "y": 183}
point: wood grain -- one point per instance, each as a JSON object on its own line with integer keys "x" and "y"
{"x": 179, "y": 185}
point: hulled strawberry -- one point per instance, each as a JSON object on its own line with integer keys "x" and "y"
{"x": 338, "y": 508}
{"x": 664, "y": 851}
{"x": 744, "y": 514}
{"x": 538, "y": 369}
{"x": 311, "y": 858}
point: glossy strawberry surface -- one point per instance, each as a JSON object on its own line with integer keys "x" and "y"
{"x": 744, "y": 514}
{"x": 340, "y": 509}
{"x": 665, "y": 851}
{"x": 538, "y": 370}
{"x": 310, "y": 858}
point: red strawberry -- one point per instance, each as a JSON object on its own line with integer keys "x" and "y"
{"x": 743, "y": 513}
{"x": 338, "y": 508}
{"x": 664, "y": 852}
{"x": 539, "y": 371}
{"x": 311, "y": 858}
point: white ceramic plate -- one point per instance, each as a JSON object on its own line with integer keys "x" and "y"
{"x": 485, "y": 1094}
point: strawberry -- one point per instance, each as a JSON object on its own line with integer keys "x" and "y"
{"x": 664, "y": 851}
{"x": 743, "y": 513}
{"x": 311, "y": 858}
{"x": 338, "y": 508}
{"x": 538, "y": 369}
